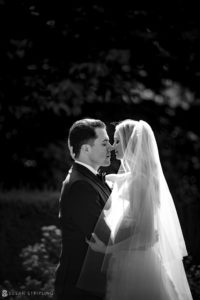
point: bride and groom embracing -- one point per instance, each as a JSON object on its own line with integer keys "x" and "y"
{"x": 125, "y": 243}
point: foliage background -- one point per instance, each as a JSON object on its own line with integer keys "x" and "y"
{"x": 61, "y": 61}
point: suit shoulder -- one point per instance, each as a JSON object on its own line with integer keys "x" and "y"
{"x": 78, "y": 185}
{"x": 77, "y": 192}
{"x": 81, "y": 185}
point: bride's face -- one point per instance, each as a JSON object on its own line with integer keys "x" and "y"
{"x": 117, "y": 146}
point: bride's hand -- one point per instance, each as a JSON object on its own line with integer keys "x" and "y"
{"x": 97, "y": 245}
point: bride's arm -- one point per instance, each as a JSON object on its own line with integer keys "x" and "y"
{"x": 143, "y": 234}
{"x": 114, "y": 177}
{"x": 127, "y": 244}
{"x": 111, "y": 177}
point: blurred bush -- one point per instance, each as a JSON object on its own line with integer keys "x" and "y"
{"x": 41, "y": 258}
{"x": 193, "y": 275}
{"x": 22, "y": 214}
{"x": 40, "y": 261}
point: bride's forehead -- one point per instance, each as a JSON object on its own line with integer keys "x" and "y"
{"x": 116, "y": 134}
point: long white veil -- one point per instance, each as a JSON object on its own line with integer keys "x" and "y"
{"x": 143, "y": 221}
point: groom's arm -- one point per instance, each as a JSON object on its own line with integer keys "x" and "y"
{"x": 85, "y": 207}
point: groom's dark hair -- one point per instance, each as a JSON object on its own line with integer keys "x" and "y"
{"x": 83, "y": 132}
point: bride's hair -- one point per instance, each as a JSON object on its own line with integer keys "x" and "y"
{"x": 125, "y": 130}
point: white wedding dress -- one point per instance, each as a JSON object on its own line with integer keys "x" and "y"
{"x": 141, "y": 274}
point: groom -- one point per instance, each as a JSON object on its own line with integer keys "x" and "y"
{"x": 83, "y": 196}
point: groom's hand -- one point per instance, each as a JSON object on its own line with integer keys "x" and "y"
{"x": 97, "y": 245}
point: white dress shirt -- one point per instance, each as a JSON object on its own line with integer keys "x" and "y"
{"x": 87, "y": 166}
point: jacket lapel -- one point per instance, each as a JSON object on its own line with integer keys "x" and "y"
{"x": 93, "y": 178}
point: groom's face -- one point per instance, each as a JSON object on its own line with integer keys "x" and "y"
{"x": 99, "y": 154}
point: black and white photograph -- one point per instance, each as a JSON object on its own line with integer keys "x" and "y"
{"x": 100, "y": 150}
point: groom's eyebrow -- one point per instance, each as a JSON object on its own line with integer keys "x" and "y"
{"x": 106, "y": 140}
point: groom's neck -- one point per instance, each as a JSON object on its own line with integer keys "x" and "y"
{"x": 87, "y": 162}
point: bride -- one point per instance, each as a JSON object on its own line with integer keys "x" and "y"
{"x": 143, "y": 259}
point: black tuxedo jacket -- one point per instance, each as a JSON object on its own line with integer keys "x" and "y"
{"x": 83, "y": 196}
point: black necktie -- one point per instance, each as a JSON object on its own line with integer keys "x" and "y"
{"x": 101, "y": 176}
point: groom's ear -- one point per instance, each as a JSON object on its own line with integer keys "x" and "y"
{"x": 86, "y": 148}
